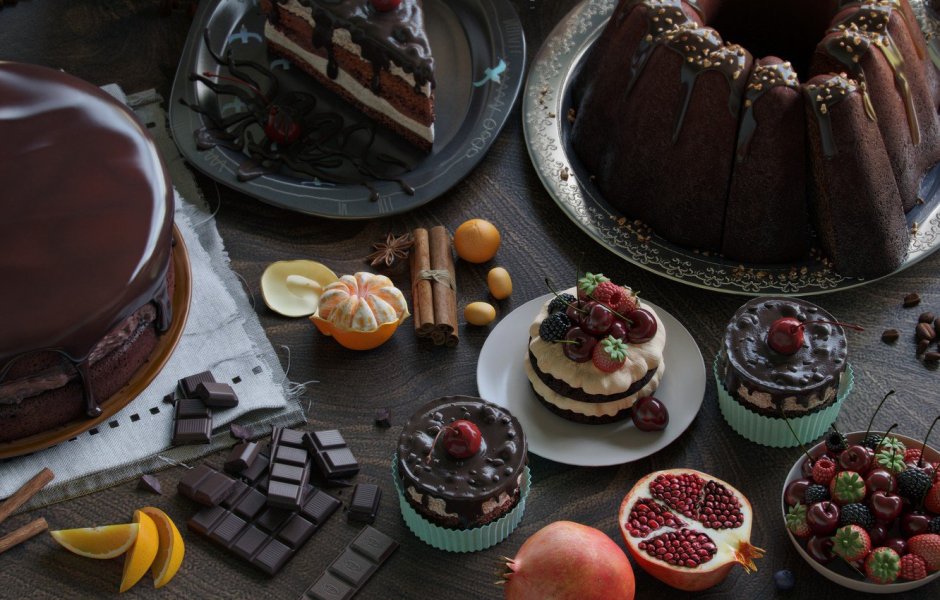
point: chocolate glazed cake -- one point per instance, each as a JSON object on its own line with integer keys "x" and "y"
{"x": 769, "y": 382}
{"x": 378, "y": 61}
{"x": 468, "y": 492}
{"x": 85, "y": 248}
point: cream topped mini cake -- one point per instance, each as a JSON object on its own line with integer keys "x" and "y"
{"x": 592, "y": 356}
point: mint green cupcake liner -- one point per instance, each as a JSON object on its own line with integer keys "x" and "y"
{"x": 773, "y": 432}
{"x": 461, "y": 540}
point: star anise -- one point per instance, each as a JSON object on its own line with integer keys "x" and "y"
{"x": 394, "y": 247}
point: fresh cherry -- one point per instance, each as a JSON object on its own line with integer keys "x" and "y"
{"x": 819, "y": 547}
{"x": 795, "y": 491}
{"x": 619, "y": 330}
{"x": 856, "y": 458}
{"x": 823, "y": 517}
{"x": 881, "y": 479}
{"x": 807, "y": 468}
{"x": 598, "y": 319}
{"x": 649, "y": 414}
{"x": 385, "y": 5}
{"x": 281, "y": 127}
{"x": 885, "y": 507}
{"x": 642, "y": 326}
{"x": 574, "y": 313}
{"x": 579, "y": 345}
{"x": 914, "y": 523}
{"x": 897, "y": 544}
{"x": 462, "y": 439}
{"x": 878, "y": 534}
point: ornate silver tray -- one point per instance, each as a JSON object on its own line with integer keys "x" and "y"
{"x": 546, "y": 101}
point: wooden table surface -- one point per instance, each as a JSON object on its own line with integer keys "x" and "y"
{"x": 127, "y": 42}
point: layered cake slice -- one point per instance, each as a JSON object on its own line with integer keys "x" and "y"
{"x": 373, "y": 53}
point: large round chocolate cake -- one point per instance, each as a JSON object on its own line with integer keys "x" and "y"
{"x": 85, "y": 248}
{"x": 721, "y": 150}
{"x": 468, "y": 491}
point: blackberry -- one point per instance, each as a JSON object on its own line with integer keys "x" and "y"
{"x": 913, "y": 484}
{"x": 836, "y": 442}
{"x": 856, "y": 514}
{"x": 871, "y": 440}
{"x": 934, "y": 526}
{"x": 815, "y": 493}
{"x": 554, "y": 327}
{"x": 560, "y": 303}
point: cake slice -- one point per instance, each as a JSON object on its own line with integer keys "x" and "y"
{"x": 373, "y": 53}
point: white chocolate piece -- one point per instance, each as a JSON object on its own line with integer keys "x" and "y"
{"x": 293, "y": 287}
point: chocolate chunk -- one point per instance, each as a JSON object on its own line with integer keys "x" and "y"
{"x": 889, "y": 336}
{"x": 926, "y": 317}
{"x": 932, "y": 357}
{"x": 925, "y": 331}
{"x": 364, "y": 504}
{"x": 216, "y": 395}
{"x": 242, "y": 456}
{"x": 353, "y": 567}
{"x": 239, "y": 432}
{"x": 192, "y": 409}
{"x": 262, "y": 536}
{"x": 189, "y": 384}
{"x": 170, "y": 398}
{"x": 192, "y": 423}
{"x": 911, "y": 300}
{"x": 383, "y": 417}
{"x": 205, "y": 485}
{"x": 290, "y": 469}
{"x": 149, "y": 483}
{"x": 333, "y": 458}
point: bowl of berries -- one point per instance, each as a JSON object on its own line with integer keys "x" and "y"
{"x": 863, "y": 509}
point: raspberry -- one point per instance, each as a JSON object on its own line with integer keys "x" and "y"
{"x": 912, "y": 455}
{"x": 913, "y": 567}
{"x": 554, "y": 327}
{"x": 824, "y": 470}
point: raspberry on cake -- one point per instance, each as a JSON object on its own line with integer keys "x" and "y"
{"x": 588, "y": 362}
{"x": 374, "y": 54}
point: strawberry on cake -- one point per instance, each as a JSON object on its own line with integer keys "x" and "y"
{"x": 593, "y": 354}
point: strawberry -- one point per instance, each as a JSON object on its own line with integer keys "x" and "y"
{"x": 883, "y": 565}
{"x": 824, "y": 469}
{"x": 932, "y": 499}
{"x": 796, "y": 521}
{"x": 846, "y": 487}
{"x": 927, "y": 546}
{"x": 913, "y": 567}
{"x": 588, "y": 283}
{"x": 609, "y": 354}
{"x": 851, "y": 542}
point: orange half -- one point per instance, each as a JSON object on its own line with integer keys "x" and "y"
{"x": 107, "y": 541}
{"x": 142, "y": 553}
{"x": 358, "y": 340}
{"x": 170, "y": 553}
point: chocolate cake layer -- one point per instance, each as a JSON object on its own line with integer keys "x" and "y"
{"x": 582, "y": 418}
{"x": 564, "y": 389}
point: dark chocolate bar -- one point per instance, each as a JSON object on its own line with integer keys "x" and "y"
{"x": 350, "y": 571}
{"x": 149, "y": 483}
{"x": 330, "y": 453}
{"x": 216, "y": 395}
{"x": 205, "y": 485}
{"x": 241, "y": 457}
{"x": 189, "y": 384}
{"x": 192, "y": 423}
{"x": 364, "y": 504}
{"x": 263, "y": 536}
{"x": 290, "y": 468}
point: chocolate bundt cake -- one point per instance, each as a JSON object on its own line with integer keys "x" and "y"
{"x": 85, "y": 248}
{"x": 724, "y": 152}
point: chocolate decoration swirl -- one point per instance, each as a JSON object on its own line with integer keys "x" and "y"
{"x": 464, "y": 485}
{"x": 85, "y": 241}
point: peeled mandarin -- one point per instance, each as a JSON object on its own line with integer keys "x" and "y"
{"x": 170, "y": 553}
{"x": 142, "y": 553}
{"x": 476, "y": 240}
{"x": 499, "y": 282}
{"x": 479, "y": 313}
{"x": 107, "y": 541}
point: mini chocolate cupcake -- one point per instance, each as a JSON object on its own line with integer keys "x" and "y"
{"x": 461, "y": 465}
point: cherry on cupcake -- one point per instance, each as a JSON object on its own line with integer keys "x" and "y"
{"x": 786, "y": 333}
{"x": 385, "y": 5}
{"x": 462, "y": 439}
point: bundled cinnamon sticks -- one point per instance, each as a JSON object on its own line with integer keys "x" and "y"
{"x": 434, "y": 286}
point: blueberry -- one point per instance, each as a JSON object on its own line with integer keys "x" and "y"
{"x": 784, "y": 580}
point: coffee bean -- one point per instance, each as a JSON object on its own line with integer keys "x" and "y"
{"x": 925, "y": 331}
{"x": 932, "y": 357}
{"x": 911, "y": 300}
{"x": 936, "y": 324}
{"x": 889, "y": 336}
{"x": 926, "y": 317}
{"x": 922, "y": 346}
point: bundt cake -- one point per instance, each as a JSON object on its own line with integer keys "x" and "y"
{"x": 723, "y": 152}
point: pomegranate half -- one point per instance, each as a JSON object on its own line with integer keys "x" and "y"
{"x": 687, "y": 528}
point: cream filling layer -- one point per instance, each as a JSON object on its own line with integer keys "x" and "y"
{"x": 438, "y": 506}
{"x": 641, "y": 358}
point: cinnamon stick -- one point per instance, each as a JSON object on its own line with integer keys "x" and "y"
{"x": 422, "y": 303}
{"x": 22, "y": 495}
{"x": 22, "y": 534}
{"x": 444, "y": 297}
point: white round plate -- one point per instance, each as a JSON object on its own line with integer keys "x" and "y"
{"x": 501, "y": 379}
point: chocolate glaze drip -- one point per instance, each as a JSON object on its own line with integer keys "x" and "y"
{"x": 463, "y": 484}
{"x": 748, "y": 360}
{"x": 763, "y": 78}
{"x": 89, "y": 212}
{"x": 661, "y": 16}
{"x": 863, "y": 30}
{"x": 822, "y": 98}
{"x": 393, "y": 36}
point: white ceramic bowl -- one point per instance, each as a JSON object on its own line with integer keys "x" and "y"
{"x": 854, "y": 584}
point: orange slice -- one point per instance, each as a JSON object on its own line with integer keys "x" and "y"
{"x": 170, "y": 553}
{"x": 142, "y": 553}
{"x": 107, "y": 541}
{"x": 357, "y": 340}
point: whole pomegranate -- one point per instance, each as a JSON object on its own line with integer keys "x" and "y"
{"x": 687, "y": 528}
{"x": 569, "y": 561}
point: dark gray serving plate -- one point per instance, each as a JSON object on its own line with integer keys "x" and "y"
{"x": 467, "y": 37}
